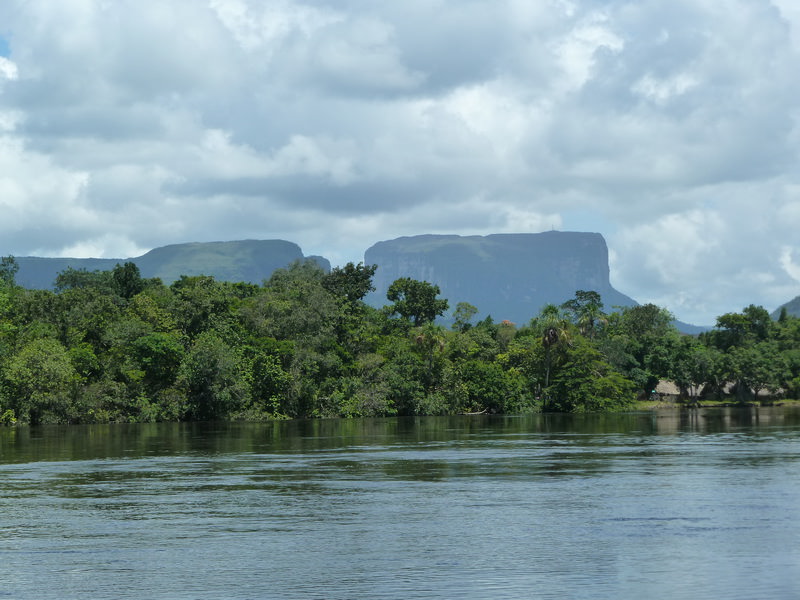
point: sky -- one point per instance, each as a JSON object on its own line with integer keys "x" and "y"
{"x": 672, "y": 128}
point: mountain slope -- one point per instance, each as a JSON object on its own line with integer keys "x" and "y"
{"x": 247, "y": 260}
{"x": 792, "y": 308}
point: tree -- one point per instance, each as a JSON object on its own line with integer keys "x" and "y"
{"x": 586, "y": 310}
{"x": 644, "y": 322}
{"x": 429, "y": 340}
{"x": 127, "y": 280}
{"x": 201, "y": 303}
{"x": 416, "y": 300}
{"x": 348, "y": 286}
{"x": 147, "y": 309}
{"x": 554, "y": 333}
{"x": 787, "y": 335}
{"x": 8, "y": 270}
{"x": 477, "y": 386}
{"x": 689, "y": 364}
{"x": 212, "y": 375}
{"x": 7, "y": 326}
{"x": 636, "y": 341}
{"x": 159, "y": 356}
{"x": 40, "y": 378}
{"x": 752, "y": 325}
{"x": 294, "y": 304}
{"x": 270, "y": 384}
{"x": 585, "y": 382}
{"x": 351, "y": 282}
{"x": 463, "y": 315}
{"x": 402, "y": 375}
{"x": 70, "y": 279}
{"x": 86, "y": 313}
{"x": 756, "y": 367}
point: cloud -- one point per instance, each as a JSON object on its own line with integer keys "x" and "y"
{"x": 707, "y": 261}
{"x": 672, "y": 128}
{"x": 8, "y": 70}
{"x": 790, "y": 14}
{"x": 788, "y": 263}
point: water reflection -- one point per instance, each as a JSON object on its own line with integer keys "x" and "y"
{"x": 553, "y": 506}
{"x": 28, "y": 444}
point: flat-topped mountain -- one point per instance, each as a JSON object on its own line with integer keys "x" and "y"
{"x": 507, "y": 276}
{"x": 247, "y": 260}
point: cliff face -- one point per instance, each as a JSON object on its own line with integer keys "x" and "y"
{"x": 247, "y": 260}
{"x": 507, "y": 276}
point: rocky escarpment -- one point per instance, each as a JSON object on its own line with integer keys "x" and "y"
{"x": 507, "y": 276}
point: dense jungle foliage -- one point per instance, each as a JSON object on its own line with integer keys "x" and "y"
{"x": 110, "y": 346}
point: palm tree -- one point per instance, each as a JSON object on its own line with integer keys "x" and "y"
{"x": 586, "y": 310}
{"x": 589, "y": 317}
{"x": 553, "y": 327}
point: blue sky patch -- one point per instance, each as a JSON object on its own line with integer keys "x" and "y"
{"x": 5, "y": 50}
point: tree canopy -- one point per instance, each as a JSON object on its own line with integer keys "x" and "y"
{"x": 109, "y": 346}
{"x": 416, "y": 300}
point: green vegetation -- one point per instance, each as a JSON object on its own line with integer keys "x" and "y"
{"x": 111, "y": 346}
{"x": 790, "y": 308}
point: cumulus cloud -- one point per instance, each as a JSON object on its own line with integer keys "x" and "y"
{"x": 8, "y": 70}
{"x": 671, "y": 128}
{"x": 716, "y": 258}
{"x": 789, "y": 264}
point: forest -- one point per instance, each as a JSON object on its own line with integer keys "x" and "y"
{"x": 111, "y": 346}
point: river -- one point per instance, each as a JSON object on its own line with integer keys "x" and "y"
{"x": 674, "y": 504}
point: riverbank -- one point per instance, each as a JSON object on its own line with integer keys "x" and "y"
{"x": 686, "y": 403}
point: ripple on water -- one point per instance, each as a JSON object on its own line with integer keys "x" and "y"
{"x": 492, "y": 512}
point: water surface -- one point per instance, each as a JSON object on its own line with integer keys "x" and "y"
{"x": 693, "y": 504}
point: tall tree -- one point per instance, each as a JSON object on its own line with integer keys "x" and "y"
{"x": 752, "y": 325}
{"x": 8, "y": 270}
{"x": 351, "y": 282}
{"x": 756, "y": 367}
{"x": 637, "y": 340}
{"x": 462, "y": 316}
{"x": 553, "y": 328}
{"x": 430, "y": 341}
{"x": 586, "y": 310}
{"x": 127, "y": 280}
{"x": 416, "y": 300}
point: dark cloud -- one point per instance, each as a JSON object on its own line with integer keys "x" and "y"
{"x": 353, "y": 199}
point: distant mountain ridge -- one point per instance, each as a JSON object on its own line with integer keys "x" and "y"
{"x": 507, "y": 276}
{"x": 245, "y": 260}
{"x": 792, "y": 308}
